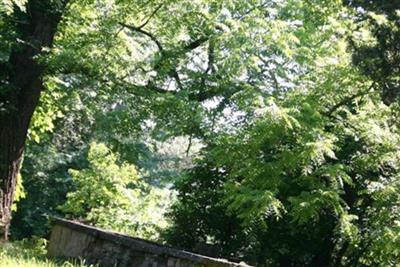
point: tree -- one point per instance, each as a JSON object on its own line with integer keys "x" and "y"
{"x": 313, "y": 171}
{"x": 205, "y": 71}
{"x": 317, "y": 165}
{"x": 378, "y": 57}
{"x": 112, "y": 195}
{"x": 200, "y": 216}
{"x": 21, "y": 85}
{"x": 136, "y": 57}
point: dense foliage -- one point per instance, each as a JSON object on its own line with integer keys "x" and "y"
{"x": 323, "y": 157}
{"x": 296, "y": 169}
{"x": 113, "y": 196}
{"x": 274, "y": 122}
{"x": 379, "y": 58}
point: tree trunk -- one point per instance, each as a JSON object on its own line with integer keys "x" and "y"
{"x": 21, "y": 88}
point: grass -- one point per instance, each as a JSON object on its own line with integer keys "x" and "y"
{"x": 31, "y": 253}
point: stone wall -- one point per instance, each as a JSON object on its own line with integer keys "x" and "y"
{"x": 74, "y": 240}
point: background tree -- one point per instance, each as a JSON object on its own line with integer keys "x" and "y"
{"x": 379, "y": 58}
{"x": 110, "y": 195}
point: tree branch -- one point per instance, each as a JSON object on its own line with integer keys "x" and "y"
{"x": 138, "y": 29}
{"x": 211, "y": 56}
{"x": 348, "y": 100}
{"x": 210, "y": 63}
{"x": 196, "y": 43}
{"x": 151, "y": 15}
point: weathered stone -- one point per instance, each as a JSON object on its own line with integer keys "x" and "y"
{"x": 105, "y": 248}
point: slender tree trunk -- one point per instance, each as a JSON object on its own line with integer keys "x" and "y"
{"x": 21, "y": 86}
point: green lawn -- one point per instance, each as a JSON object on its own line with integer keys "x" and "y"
{"x": 16, "y": 260}
{"x": 30, "y": 253}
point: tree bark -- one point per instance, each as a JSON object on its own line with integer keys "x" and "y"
{"x": 21, "y": 88}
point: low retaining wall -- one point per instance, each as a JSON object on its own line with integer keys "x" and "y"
{"x": 75, "y": 240}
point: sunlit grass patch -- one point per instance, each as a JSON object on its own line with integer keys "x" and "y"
{"x": 31, "y": 253}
